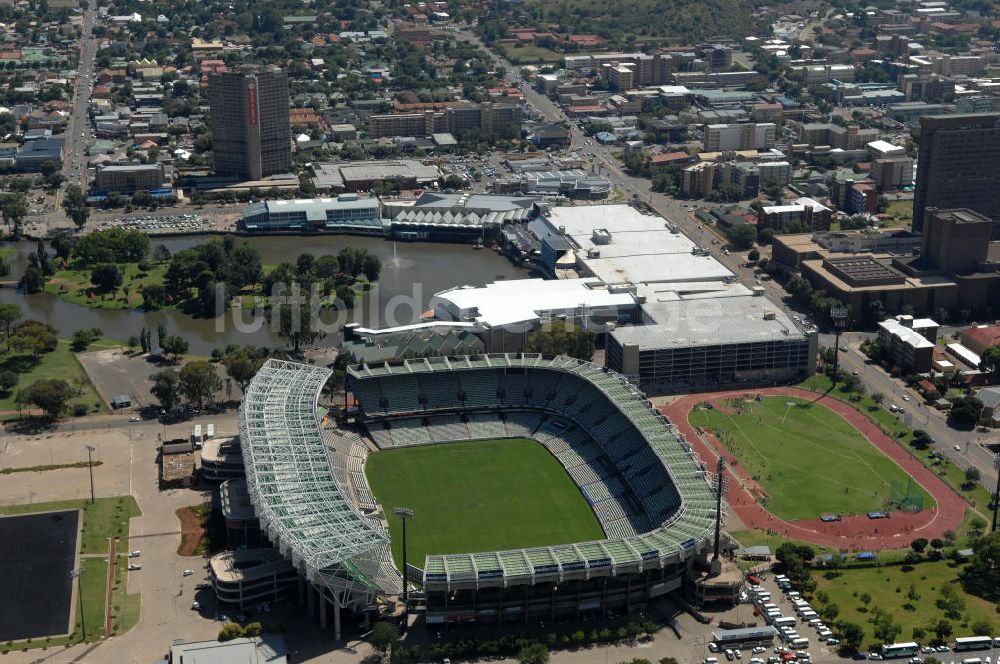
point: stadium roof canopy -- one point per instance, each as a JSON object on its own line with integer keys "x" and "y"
{"x": 305, "y": 511}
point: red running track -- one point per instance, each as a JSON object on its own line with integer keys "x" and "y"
{"x": 852, "y": 533}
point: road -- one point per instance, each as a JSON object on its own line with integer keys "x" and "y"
{"x": 78, "y": 130}
{"x": 971, "y": 450}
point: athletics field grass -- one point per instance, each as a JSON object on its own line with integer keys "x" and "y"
{"x": 479, "y": 496}
{"x": 807, "y": 458}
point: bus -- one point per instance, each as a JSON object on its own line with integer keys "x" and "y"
{"x": 973, "y": 643}
{"x": 890, "y": 651}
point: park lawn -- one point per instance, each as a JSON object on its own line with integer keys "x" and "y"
{"x": 479, "y": 496}
{"x": 888, "y": 587}
{"x": 951, "y": 474}
{"x": 60, "y": 363}
{"x": 125, "y": 607}
{"x": 531, "y": 54}
{"x": 807, "y": 458}
{"x": 901, "y": 210}
{"x": 75, "y": 286}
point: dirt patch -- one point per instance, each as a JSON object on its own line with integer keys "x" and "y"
{"x": 193, "y": 529}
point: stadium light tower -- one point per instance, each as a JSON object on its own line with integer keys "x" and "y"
{"x": 996, "y": 494}
{"x": 405, "y": 513}
{"x": 90, "y": 467}
{"x": 839, "y": 317}
{"x": 76, "y": 574}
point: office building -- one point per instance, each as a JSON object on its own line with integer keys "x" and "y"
{"x": 363, "y": 175}
{"x": 251, "y": 133}
{"x": 909, "y": 342}
{"x": 128, "y": 179}
{"x": 750, "y": 136}
{"x": 892, "y": 172}
{"x": 491, "y": 119}
{"x": 33, "y": 154}
{"x": 957, "y": 165}
{"x": 956, "y": 240}
{"x": 802, "y": 214}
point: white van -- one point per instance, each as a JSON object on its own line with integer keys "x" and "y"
{"x": 800, "y": 644}
{"x": 784, "y": 622}
{"x": 769, "y": 606}
{"x": 809, "y": 615}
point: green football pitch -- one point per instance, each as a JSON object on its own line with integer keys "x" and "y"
{"x": 807, "y": 458}
{"x": 481, "y": 495}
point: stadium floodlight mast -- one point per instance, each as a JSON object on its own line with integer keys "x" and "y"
{"x": 76, "y": 574}
{"x": 721, "y": 484}
{"x": 405, "y": 513}
{"x": 839, "y": 317}
{"x": 90, "y": 467}
{"x": 996, "y": 494}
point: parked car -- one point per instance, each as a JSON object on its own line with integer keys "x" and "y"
{"x": 188, "y": 572}
{"x": 134, "y": 566}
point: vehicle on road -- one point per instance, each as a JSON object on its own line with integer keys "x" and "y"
{"x": 135, "y": 554}
{"x": 134, "y": 566}
{"x": 188, "y": 572}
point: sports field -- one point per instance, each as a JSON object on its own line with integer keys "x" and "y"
{"x": 808, "y": 460}
{"x": 479, "y": 496}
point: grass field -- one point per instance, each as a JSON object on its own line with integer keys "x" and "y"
{"x": 889, "y": 586}
{"x": 806, "y": 457}
{"x": 75, "y": 286}
{"x": 479, "y": 496}
{"x": 60, "y": 363}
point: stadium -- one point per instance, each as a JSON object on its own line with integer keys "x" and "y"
{"x": 649, "y": 492}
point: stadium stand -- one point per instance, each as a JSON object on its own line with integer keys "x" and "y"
{"x": 649, "y": 491}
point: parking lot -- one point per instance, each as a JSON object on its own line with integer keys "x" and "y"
{"x": 174, "y": 222}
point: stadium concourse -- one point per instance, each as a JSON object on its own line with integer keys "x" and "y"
{"x": 852, "y": 533}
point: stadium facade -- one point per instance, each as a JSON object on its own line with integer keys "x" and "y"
{"x": 306, "y": 482}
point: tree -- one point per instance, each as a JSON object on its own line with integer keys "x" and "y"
{"x": 8, "y": 379}
{"x": 75, "y": 204}
{"x": 132, "y": 342}
{"x": 562, "y": 338}
{"x": 242, "y": 366}
{"x": 965, "y": 412}
{"x": 383, "y": 635}
{"x": 989, "y": 361}
{"x": 199, "y": 382}
{"x": 878, "y": 398}
{"x": 533, "y": 653}
{"x": 14, "y": 209}
{"x": 174, "y": 346}
{"x": 166, "y": 388}
{"x": 9, "y": 314}
{"x": 753, "y": 256}
{"x": 885, "y": 629}
{"x": 106, "y": 277}
{"x": 230, "y": 631}
{"x": 942, "y": 630}
{"x": 50, "y": 395}
{"x": 154, "y": 296}
{"x": 983, "y": 573}
{"x": 919, "y": 544}
{"x": 33, "y": 280}
{"x": 33, "y": 336}
{"x": 741, "y": 236}
{"x": 851, "y": 635}
{"x": 83, "y": 338}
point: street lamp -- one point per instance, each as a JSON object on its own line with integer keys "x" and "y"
{"x": 839, "y": 317}
{"x": 405, "y": 513}
{"x": 996, "y": 494}
{"x": 76, "y": 574}
{"x": 90, "y": 467}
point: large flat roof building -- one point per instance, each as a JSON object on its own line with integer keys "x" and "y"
{"x": 130, "y": 178}
{"x": 346, "y": 213}
{"x": 363, "y": 175}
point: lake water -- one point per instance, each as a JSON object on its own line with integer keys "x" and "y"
{"x": 411, "y": 274}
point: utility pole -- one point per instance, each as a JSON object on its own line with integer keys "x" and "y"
{"x": 996, "y": 494}
{"x": 90, "y": 467}
{"x": 405, "y": 513}
{"x": 839, "y": 317}
{"x": 76, "y": 574}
